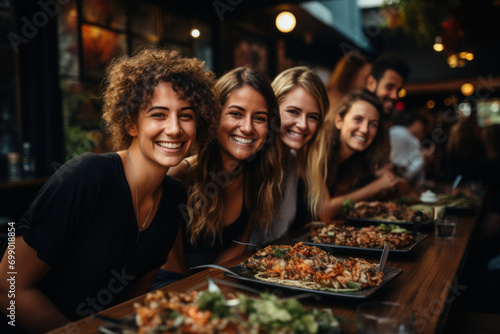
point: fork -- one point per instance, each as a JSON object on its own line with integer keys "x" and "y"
{"x": 383, "y": 258}
{"x": 203, "y": 266}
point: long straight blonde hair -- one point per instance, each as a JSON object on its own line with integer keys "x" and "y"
{"x": 313, "y": 156}
{"x": 264, "y": 169}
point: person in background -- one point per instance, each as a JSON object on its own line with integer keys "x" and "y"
{"x": 489, "y": 171}
{"x": 350, "y": 73}
{"x": 234, "y": 182}
{"x": 356, "y": 142}
{"x": 388, "y": 75}
{"x": 106, "y": 222}
{"x": 407, "y": 153}
{"x": 465, "y": 150}
{"x": 303, "y": 104}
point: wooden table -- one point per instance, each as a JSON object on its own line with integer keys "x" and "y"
{"x": 428, "y": 283}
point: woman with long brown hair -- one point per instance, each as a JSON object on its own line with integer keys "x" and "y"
{"x": 355, "y": 143}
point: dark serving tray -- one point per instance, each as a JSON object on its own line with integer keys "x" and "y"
{"x": 243, "y": 274}
{"x": 426, "y": 225}
{"x": 418, "y": 239}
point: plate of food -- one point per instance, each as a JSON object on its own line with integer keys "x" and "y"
{"x": 210, "y": 311}
{"x": 378, "y": 212}
{"x": 311, "y": 269}
{"x": 458, "y": 202}
{"x": 370, "y": 238}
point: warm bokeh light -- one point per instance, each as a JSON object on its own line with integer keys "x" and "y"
{"x": 452, "y": 61}
{"x": 195, "y": 33}
{"x": 467, "y": 89}
{"x": 438, "y": 47}
{"x": 402, "y": 93}
{"x": 430, "y": 104}
{"x": 463, "y": 55}
{"x": 438, "y": 44}
{"x": 285, "y": 21}
{"x": 447, "y": 101}
{"x": 469, "y": 56}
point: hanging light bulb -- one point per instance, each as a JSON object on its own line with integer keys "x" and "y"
{"x": 285, "y": 21}
{"x": 195, "y": 33}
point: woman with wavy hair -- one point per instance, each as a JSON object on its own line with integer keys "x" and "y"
{"x": 233, "y": 183}
{"x": 107, "y": 222}
{"x": 356, "y": 141}
{"x": 303, "y": 104}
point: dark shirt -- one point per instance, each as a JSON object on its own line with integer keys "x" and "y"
{"x": 203, "y": 254}
{"x": 82, "y": 223}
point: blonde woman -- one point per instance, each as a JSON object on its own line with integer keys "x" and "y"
{"x": 234, "y": 182}
{"x": 303, "y": 104}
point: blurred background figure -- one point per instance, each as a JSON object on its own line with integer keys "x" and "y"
{"x": 489, "y": 175}
{"x": 349, "y": 73}
{"x": 407, "y": 154}
{"x": 465, "y": 150}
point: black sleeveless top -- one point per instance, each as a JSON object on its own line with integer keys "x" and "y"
{"x": 201, "y": 254}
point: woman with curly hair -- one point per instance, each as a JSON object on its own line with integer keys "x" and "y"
{"x": 356, "y": 141}
{"x": 103, "y": 224}
{"x": 233, "y": 183}
{"x": 303, "y": 105}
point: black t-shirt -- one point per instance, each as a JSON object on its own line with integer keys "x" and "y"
{"x": 82, "y": 223}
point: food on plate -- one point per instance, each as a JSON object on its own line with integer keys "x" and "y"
{"x": 365, "y": 237}
{"x": 385, "y": 211}
{"x": 459, "y": 200}
{"x": 312, "y": 268}
{"x": 210, "y": 312}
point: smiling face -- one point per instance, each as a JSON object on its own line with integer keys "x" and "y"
{"x": 166, "y": 129}
{"x": 244, "y": 124}
{"x": 300, "y": 118}
{"x": 358, "y": 128}
{"x": 387, "y": 89}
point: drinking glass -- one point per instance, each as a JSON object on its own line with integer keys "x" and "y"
{"x": 384, "y": 318}
{"x": 446, "y": 228}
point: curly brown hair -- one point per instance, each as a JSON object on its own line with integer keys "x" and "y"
{"x": 130, "y": 83}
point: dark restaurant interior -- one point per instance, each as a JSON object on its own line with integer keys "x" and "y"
{"x": 54, "y": 54}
